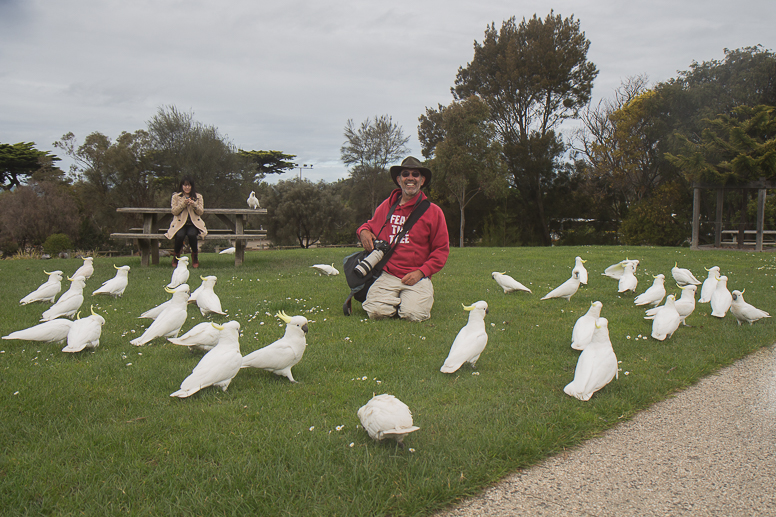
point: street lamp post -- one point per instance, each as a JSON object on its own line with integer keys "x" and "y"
{"x": 303, "y": 166}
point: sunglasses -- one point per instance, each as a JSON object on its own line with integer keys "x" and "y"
{"x": 407, "y": 174}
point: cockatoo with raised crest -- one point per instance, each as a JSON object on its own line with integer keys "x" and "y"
{"x": 47, "y": 291}
{"x": 115, "y": 286}
{"x": 283, "y": 354}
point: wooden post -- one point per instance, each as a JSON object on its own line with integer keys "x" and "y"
{"x": 696, "y": 216}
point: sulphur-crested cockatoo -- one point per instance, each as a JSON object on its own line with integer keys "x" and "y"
{"x": 54, "y": 331}
{"x": 85, "y": 333}
{"x": 47, "y": 291}
{"x": 744, "y": 311}
{"x": 86, "y": 270}
{"x": 253, "y": 201}
{"x": 385, "y": 416}
{"x": 582, "y": 333}
{"x": 470, "y": 341}
{"x": 284, "y": 353}
{"x": 170, "y": 321}
{"x": 684, "y": 305}
{"x": 707, "y": 289}
{"x": 616, "y": 270}
{"x": 180, "y": 275}
{"x": 655, "y": 294}
{"x": 507, "y": 283}
{"x": 116, "y": 285}
{"x": 154, "y": 312}
{"x": 217, "y": 367}
{"x": 596, "y": 366}
{"x": 325, "y": 269}
{"x": 565, "y": 290}
{"x": 207, "y": 300}
{"x": 628, "y": 280}
{"x": 228, "y": 251}
{"x": 579, "y": 265}
{"x": 721, "y": 299}
{"x": 683, "y": 276}
{"x": 69, "y": 303}
{"x": 666, "y": 320}
{"x": 203, "y": 336}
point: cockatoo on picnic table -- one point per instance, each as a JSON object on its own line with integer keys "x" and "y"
{"x": 180, "y": 275}
{"x": 582, "y": 333}
{"x": 217, "y": 367}
{"x": 507, "y": 283}
{"x": 203, "y": 336}
{"x": 85, "y": 333}
{"x": 325, "y": 269}
{"x": 666, "y": 320}
{"x": 116, "y": 285}
{"x": 655, "y": 294}
{"x": 385, "y": 416}
{"x": 253, "y": 201}
{"x": 616, "y": 270}
{"x": 743, "y": 311}
{"x": 47, "y": 291}
{"x": 596, "y": 366}
{"x": 565, "y": 290}
{"x": 709, "y": 285}
{"x": 579, "y": 265}
{"x": 683, "y": 276}
{"x": 69, "y": 303}
{"x": 54, "y": 331}
{"x": 470, "y": 341}
{"x": 721, "y": 299}
{"x": 284, "y": 353}
{"x": 86, "y": 270}
{"x": 170, "y": 321}
{"x": 207, "y": 300}
{"x": 628, "y": 281}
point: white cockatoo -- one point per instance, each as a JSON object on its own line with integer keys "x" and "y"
{"x": 69, "y": 303}
{"x": 253, "y": 201}
{"x": 86, "y": 270}
{"x": 284, "y": 353}
{"x": 744, "y": 311}
{"x": 116, "y": 285}
{"x": 85, "y": 333}
{"x": 47, "y": 291}
{"x": 325, "y": 269}
{"x": 170, "y": 321}
{"x": 683, "y": 276}
{"x": 616, "y": 270}
{"x": 180, "y": 275}
{"x": 628, "y": 280}
{"x": 655, "y": 294}
{"x": 579, "y": 265}
{"x": 385, "y": 416}
{"x": 228, "y": 251}
{"x": 596, "y": 366}
{"x": 203, "y": 336}
{"x": 217, "y": 367}
{"x": 207, "y": 300}
{"x": 721, "y": 299}
{"x": 54, "y": 331}
{"x": 666, "y": 320}
{"x": 470, "y": 341}
{"x": 684, "y": 305}
{"x": 507, "y": 283}
{"x": 154, "y": 312}
{"x": 707, "y": 289}
{"x": 582, "y": 333}
{"x": 565, "y": 290}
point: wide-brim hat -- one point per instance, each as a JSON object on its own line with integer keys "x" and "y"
{"x": 411, "y": 162}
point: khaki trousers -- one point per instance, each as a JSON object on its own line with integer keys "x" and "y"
{"x": 388, "y": 296}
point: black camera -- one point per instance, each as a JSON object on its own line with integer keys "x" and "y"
{"x": 370, "y": 261}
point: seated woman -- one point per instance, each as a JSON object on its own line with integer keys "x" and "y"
{"x": 187, "y": 210}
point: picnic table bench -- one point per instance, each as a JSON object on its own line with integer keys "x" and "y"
{"x": 730, "y": 237}
{"x": 156, "y": 221}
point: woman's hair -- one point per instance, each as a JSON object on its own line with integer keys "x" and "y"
{"x": 188, "y": 180}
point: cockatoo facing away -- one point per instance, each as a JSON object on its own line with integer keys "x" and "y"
{"x": 228, "y": 251}
{"x": 616, "y": 270}
{"x": 207, "y": 300}
{"x": 655, "y": 294}
{"x": 721, "y": 299}
{"x": 116, "y": 285}
{"x": 582, "y": 333}
{"x": 325, "y": 269}
{"x": 69, "y": 303}
{"x": 180, "y": 275}
{"x": 743, "y": 311}
{"x": 86, "y": 270}
{"x": 685, "y": 305}
{"x": 170, "y": 321}
{"x": 579, "y": 266}
{"x": 470, "y": 341}
{"x": 85, "y": 333}
{"x": 253, "y": 201}
{"x": 565, "y": 290}
{"x": 709, "y": 285}
{"x": 217, "y": 367}
{"x": 284, "y": 353}
{"x": 666, "y": 321}
{"x": 507, "y": 283}
{"x": 47, "y": 291}
{"x": 203, "y": 336}
{"x": 596, "y": 366}
{"x": 683, "y": 276}
{"x": 385, "y": 416}
{"x": 628, "y": 280}
{"x": 54, "y": 331}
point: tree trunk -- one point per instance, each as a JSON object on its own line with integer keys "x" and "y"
{"x": 463, "y": 222}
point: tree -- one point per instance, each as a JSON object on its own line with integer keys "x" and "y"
{"x": 533, "y": 75}
{"x": 30, "y": 213}
{"x": 268, "y": 162}
{"x": 20, "y": 161}
{"x": 369, "y": 149}
{"x": 301, "y": 211}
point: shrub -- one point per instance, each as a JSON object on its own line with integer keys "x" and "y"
{"x": 8, "y": 248}
{"x": 661, "y": 220}
{"x": 56, "y": 243}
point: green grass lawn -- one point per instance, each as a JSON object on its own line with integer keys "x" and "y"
{"x": 97, "y": 433}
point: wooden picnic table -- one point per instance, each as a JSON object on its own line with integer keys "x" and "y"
{"x": 156, "y": 221}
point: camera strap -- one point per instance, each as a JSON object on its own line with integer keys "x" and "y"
{"x": 416, "y": 214}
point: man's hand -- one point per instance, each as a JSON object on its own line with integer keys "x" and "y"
{"x": 367, "y": 240}
{"x": 413, "y": 277}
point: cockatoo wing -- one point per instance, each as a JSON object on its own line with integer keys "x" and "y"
{"x": 219, "y": 366}
{"x": 384, "y": 416}
{"x": 54, "y": 331}
{"x": 47, "y": 292}
{"x": 566, "y": 290}
{"x": 684, "y": 276}
{"x": 325, "y": 269}
{"x": 509, "y": 284}
{"x": 467, "y": 347}
{"x": 203, "y": 336}
{"x": 209, "y": 302}
{"x": 228, "y": 251}
{"x": 582, "y": 333}
{"x": 167, "y": 324}
{"x": 274, "y": 358}
{"x": 156, "y": 311}
{"x": 84, "y": 333}
{"x": 595, "y": 369}
{"x": 66, "y": 308}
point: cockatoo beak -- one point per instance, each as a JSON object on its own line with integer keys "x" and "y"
{"x": 283, "y": 316}
{"x": 469, "y": 308}
{"x": 217, "y": 326}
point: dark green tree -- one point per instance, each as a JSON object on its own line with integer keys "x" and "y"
{"x": 267, "y": 162}
{"x": 301, "y": 211}
{"x": 19, "y": 161}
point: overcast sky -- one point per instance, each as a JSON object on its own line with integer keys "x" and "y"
{"x": 286, "y": 75}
